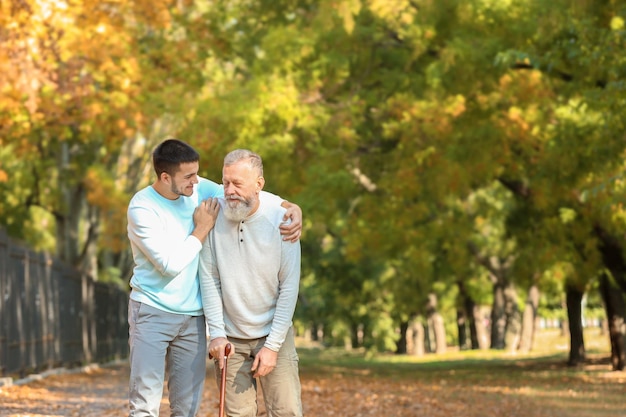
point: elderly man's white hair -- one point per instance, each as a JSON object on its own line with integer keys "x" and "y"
{"x": 244, "y": 154}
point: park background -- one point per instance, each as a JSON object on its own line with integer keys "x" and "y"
{"x": 460, "y": 164}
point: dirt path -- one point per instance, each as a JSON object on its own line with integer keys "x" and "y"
{"x": 98, "y": 392}
{"x": 102, "y": 392}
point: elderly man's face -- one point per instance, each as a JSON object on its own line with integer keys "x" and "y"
{"x": 242, "y": 184}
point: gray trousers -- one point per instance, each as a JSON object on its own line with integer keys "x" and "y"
{"x": 281, "y": 387}
{"x": 156, "y": 338}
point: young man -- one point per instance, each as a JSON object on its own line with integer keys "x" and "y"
{"x": 167, "y": 224}
{"x": 249, "y": 278}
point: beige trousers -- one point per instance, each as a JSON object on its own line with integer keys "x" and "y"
{"x": 281, "y": 387}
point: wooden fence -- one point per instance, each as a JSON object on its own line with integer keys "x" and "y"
{"x": 52, "y": 316}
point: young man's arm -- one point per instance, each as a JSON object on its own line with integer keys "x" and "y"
{"x": 291, "y": 229}
{"x": 168, "y": 256}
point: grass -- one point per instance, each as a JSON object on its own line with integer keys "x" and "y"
{"x": 549, "y": 345}
{"x": 484, "y": 382}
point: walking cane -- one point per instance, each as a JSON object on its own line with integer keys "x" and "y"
{"x": 223, "y": 380}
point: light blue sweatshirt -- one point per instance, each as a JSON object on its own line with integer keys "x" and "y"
{"x": 165, "y": 275}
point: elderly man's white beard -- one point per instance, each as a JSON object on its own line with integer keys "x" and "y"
{"x": 240, "y": 211}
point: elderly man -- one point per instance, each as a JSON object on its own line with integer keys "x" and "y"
{"x": 249, "y": 278}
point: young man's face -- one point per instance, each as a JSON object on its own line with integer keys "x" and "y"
{"x": 242, "y": 184}
{"x": 182, "y": 182}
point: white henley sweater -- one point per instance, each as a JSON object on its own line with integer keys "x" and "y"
{"x": 249, "y": 277}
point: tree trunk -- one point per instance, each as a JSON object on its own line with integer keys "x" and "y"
{"x": 529, "y": 319}
{"x": 574, "y": 315}
{"x": 429, "y": 337}
{"x": 481, "y": 328}
{"x": 354, "y": 335}
{"x": 67, "y": 222}
{"x": 615, "y": 307}
{"x": 611, "y": 248}
{"x": 415, "y": 338}
{"x": 612, "y": 289}
{"x": 498, "y": 317}
{"x": 78, "y": 250}
{"x": 476, "y": 326}
{"x": 436, "y": 324}
{"x": 440, "y": 333}
{"x": 319, "y": 333}
{"x": 498, "y": 268}
{"x": 315, "y": 332}
{"x": 513, "y": 325}
{"x": 68, "y": 213}
{"x": 89, "y": 257}
{"x": 461, "y": 324}
{"x": 401, "y": 344}
{"x": 465, "y": 320}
